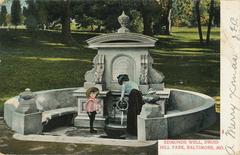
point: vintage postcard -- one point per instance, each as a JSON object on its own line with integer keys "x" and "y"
{"x": 139, "y": 77}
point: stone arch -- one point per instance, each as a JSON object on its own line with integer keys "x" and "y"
{"x": 122, "y": 64}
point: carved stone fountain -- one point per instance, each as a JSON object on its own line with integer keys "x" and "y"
{"x": 166, "y": 112}
{"x": 118, "y": 53}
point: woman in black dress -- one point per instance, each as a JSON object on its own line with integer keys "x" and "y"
{"x": 135, "y": 102}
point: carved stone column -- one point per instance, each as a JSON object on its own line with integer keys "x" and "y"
{"x": 98, "y": 76}
{"x": 155, "y": 77}
{"x": 144, "y": 74}
{"x": 95, "y": 77}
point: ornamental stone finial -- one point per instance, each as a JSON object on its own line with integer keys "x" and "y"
{"x": 124, "y": 22}
{"x": 27, "y": 102}
{"x": 27, "y": 94}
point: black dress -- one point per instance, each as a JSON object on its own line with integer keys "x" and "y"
{"x": 135, "y": 105}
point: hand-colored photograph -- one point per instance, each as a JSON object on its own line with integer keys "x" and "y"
{"x": 110, "y": 77}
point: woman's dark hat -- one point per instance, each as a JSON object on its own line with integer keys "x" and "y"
{"x": 122, "y": 77}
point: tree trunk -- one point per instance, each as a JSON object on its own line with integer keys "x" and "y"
{"x": 210, "y": 21}
{"x": 147, "y": 23}
{"x": 168, "y": 21}
{"x": 197, "y": 2}
{"x": 98, "y": 28}
{"x": 92, "y": 28}
{"x": 65, "y": 20}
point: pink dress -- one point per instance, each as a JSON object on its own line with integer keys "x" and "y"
{"x": 92, "y": 105}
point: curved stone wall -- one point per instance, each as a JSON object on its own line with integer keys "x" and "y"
{"x": 55, "y": 99}
{"x": 183, "y": 100}
{"x": 192, "y": 112}
{"x": 46, "y": 100}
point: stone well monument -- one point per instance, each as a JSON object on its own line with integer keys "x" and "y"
{"x": 166, "y": 113}
{"x": 122, "y": 52}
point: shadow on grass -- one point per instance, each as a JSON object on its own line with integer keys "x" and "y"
{"x": 170, "y": 44}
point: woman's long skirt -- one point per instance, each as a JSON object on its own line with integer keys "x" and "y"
{"x": 135, "y": 105}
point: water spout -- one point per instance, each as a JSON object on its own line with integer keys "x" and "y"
{"x": 122, "y": 105}
{"x": 122, "y": 118}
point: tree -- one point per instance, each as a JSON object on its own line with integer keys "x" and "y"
{"x": 168, "y": 19}
{"x": 198, "y": 17}
{"x": 211, "y": 10}
{"x": 31, "y": 15}
{"x": 3, "y": 16}
{"x": 42, "y": 14}
{"x": 16, "y": 13}
{"x": 25, "y": 11}
{"x": 65, "y": 20}
{"x": 162, "y": 17}
{"x": 97, "y": 13}
{"x": 145, "y": 8}
{"x": 216, "y": 13}
{"x": 61, "y": 10}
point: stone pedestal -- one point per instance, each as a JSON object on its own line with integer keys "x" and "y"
{"x": 144, "y": 88}
{"x": 159, "y": 86}
{"x": 152, "y": 128}
{"x": 151, "y": 123}
{"x": 27, "y": 119}
{"x": 27, "y": 123}
{"x": 82, "y": 120}
{"x": 162, "y": 103}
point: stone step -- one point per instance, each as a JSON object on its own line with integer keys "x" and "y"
{"x": 84, "y": 140}
{"x": 207, "y": 136}
{"x": 211, "y": 132}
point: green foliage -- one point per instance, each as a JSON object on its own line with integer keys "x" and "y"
{"x": 8, "y": 19}
{"x": 42, "y": 13}
{"x": 136, "y": 23}
{"x": 3, "y": 15}
{"x": 54, "y": 9}
{"x": 35, "y": 15}
{"x": 160, "y": 20}
{"x": 183, "y": 12}
{"x": 31, "y": 23}
{"x": 101, "y": 15}
{"x": 16, "y": 12}
{"x": 25, "y": 11}
{"x": 31, "y": 8}
{"x": 97, "y": 13}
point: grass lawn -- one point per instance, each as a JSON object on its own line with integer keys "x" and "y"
{"x": 42, "y": 61}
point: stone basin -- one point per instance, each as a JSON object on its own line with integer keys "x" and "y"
{"x": 115, "y": 130}
{"x": 187, "y": 111}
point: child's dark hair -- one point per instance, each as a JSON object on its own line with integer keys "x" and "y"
{"x": 92, "y": 90}
{"x": 122, "y": 77}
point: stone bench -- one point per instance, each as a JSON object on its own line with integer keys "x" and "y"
{"x": 48, "y": 115}
{"x": 51, "y": 103}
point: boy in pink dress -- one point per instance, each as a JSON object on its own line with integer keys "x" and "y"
{"x": 92, "y": 106}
